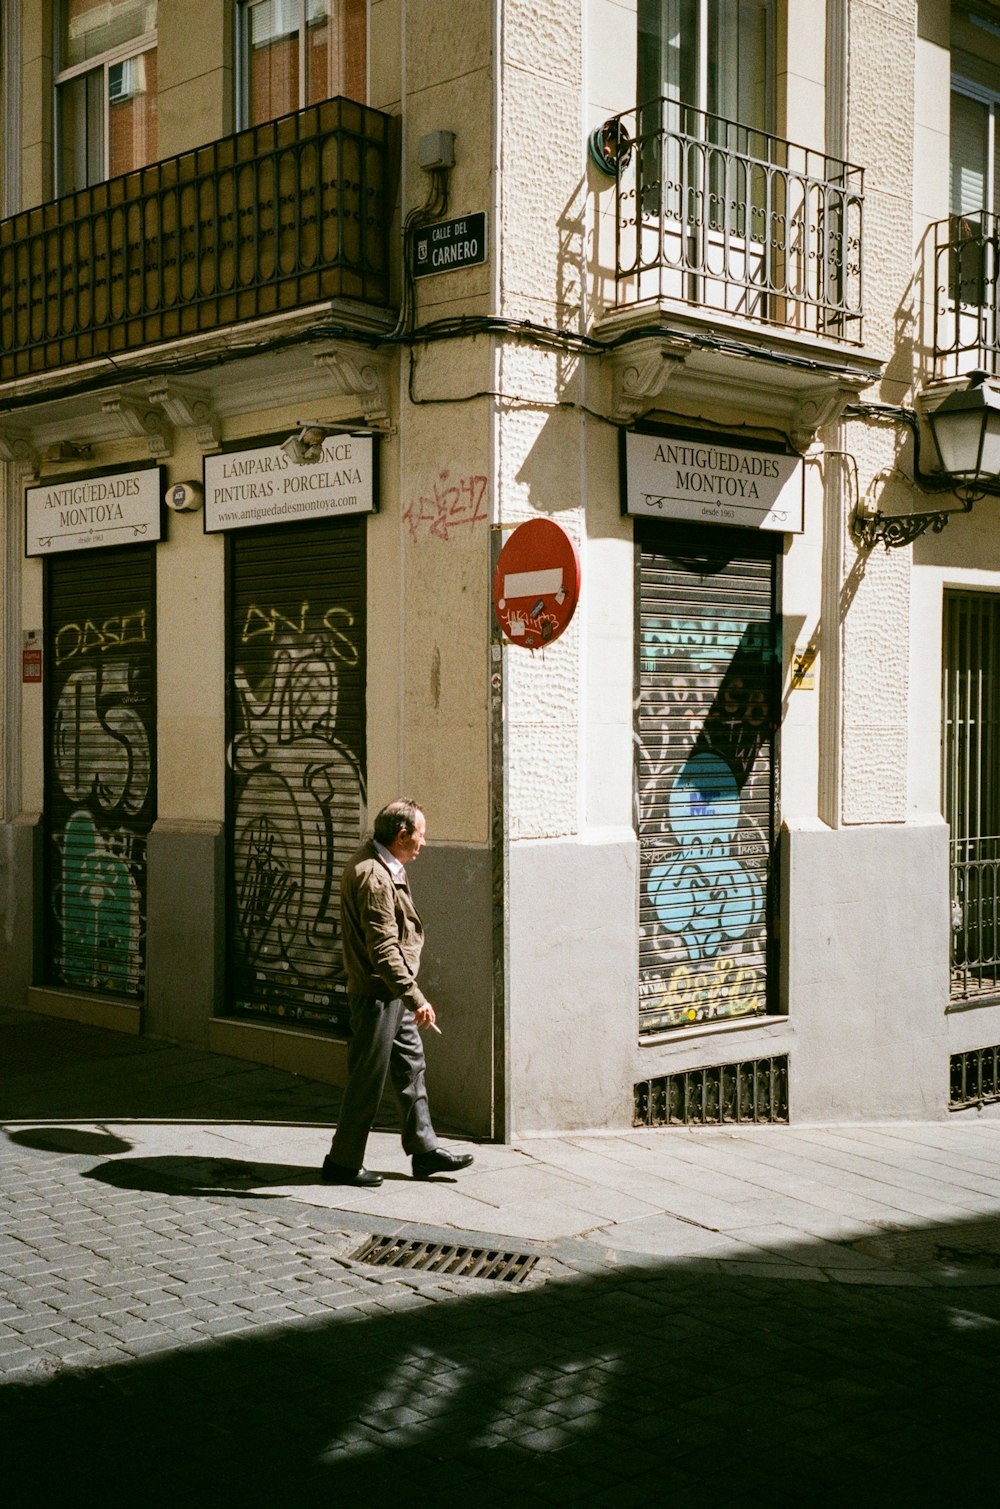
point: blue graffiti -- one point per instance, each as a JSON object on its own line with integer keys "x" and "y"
{"x": 100, "y": 909}
{"x": 709, "y": 644}
{"x": 704, "y": 894}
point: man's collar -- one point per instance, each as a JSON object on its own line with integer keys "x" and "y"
{"x": 395, "y": 867}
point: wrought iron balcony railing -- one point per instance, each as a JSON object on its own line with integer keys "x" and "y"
{"x": 724, "y": 217}
{"x": 283, "y": 215}
{"x": 966, "y": 251}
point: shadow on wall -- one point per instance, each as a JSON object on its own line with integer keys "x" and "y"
{"x": 645, "y": 1386}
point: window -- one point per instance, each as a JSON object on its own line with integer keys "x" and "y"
{"x": 105, "y": 90}
{"x": 711, "y": 54}
{"x": 705, "y": 76}
{"x": 974, "y": 190}
{"x": 294, "y": 53}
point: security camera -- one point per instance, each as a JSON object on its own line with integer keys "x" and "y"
{"x": 184, "y": 497}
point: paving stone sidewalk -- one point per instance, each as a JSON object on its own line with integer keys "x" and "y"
{"x": 177, "y": 1338}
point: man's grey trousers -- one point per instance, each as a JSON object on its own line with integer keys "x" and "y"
{"x": 385, "y": 1043}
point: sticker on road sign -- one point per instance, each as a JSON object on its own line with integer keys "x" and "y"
{"x": 536, "y": 584}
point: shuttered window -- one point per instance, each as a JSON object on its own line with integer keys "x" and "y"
{"x": 100, "y": 789}
{"x": 708, "y": 689}
{"x": 296, "y": 762}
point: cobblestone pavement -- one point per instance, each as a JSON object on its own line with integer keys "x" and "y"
{"x": 199, "y": 1346}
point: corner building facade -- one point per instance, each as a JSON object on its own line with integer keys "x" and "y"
{"x": 726, "y": 849}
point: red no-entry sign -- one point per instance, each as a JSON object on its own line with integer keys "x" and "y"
{"x": 536, "y": 583}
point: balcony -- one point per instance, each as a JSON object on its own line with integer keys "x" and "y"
{"x": 966, "y": 265}
{"x": 284, "y": 215}
{"x": 721, "y": 217}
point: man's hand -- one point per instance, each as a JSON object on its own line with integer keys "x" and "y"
{"x": 424, "y": 1016}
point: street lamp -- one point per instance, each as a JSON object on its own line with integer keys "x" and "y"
{"x": 964, "y": 425}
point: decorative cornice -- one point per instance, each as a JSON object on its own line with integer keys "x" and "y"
{"x": 641, "y": 372}
{"x": 190, "y": 408}
{"x": 140, "y": 421}
{"x": 364, "y": 379}
{"x": 752, "y": 389}
{"x": 17, "y": 447}
{"x": 818, "y": 407}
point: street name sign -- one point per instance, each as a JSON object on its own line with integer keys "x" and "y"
{"x": 449, "y": 244}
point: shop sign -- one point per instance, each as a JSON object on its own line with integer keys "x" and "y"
{"x": 87, "y": 513}
{"x": 536, "y": 583}
{"x": 244, "y": 489}
{"x": 710, "y": 481}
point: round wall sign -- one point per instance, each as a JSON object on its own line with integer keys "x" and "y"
{"x": 536, "y": 583}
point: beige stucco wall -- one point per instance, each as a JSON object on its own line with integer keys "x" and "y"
{"x": 190, "y": 659}
{"x": 194, "y": 74}
{"x": 431, "y": 548}
{"x": 36, "y": 102}
{"x": 875, "y": 590}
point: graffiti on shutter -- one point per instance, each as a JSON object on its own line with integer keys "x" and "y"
{"x": 707, "y": 705}
{"x": 100, "y": 792}
{"x": 296, "y": 717}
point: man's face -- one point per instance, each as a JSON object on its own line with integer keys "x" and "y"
{"x": 408, "y": 845}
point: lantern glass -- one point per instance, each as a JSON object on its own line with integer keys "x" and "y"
{"x": 958, "y": 434}
{"x": 989, "y": 467}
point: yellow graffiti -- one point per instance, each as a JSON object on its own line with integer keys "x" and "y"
{"x": 345, "y": 649}
{"x": 721, "y": 989}
{"x": 269, "y": 623}
{"x": 75, "y": 639}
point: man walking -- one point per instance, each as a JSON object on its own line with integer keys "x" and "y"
{"x": 382, "y": 937}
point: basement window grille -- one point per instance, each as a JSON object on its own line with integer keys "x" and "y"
{"x": 439, "y": 1257}
{"x": 975, "y": 1078}
{"x": 743, "y": 1094}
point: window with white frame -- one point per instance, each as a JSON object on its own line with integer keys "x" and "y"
{"x": 294, "y": 53}
{"x": 705, "y": 74}
{"x": 713, "y": 55}
{"x": 973, "y": 184}
{"x": 105, "y": 90}
{"x": 974, "y": 190}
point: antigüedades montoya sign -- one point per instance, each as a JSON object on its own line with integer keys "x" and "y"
{"x": 90, "y": 512}
{"x": 712, "y": 482}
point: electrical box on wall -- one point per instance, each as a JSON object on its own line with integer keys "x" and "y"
{"x": 436, "y": 149}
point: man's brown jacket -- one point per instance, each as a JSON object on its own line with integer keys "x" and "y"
{"x": 381, "y": 932}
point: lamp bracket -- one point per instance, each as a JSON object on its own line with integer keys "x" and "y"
{"x": 901, "y": 529}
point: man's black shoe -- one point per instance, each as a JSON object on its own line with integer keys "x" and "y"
{"x": 439, "y": 1162}
{"x": 338, "y": 1173}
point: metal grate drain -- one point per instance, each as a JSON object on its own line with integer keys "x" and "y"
{"x": 439, "y": 1257}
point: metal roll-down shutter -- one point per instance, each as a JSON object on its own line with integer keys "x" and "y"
{"x": 296, "y": 801}
{"x": 100, "y": 787}
{"x": 708, "y": 699}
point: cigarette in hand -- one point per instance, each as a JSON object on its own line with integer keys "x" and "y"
{"x": 435, "y": 1028}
